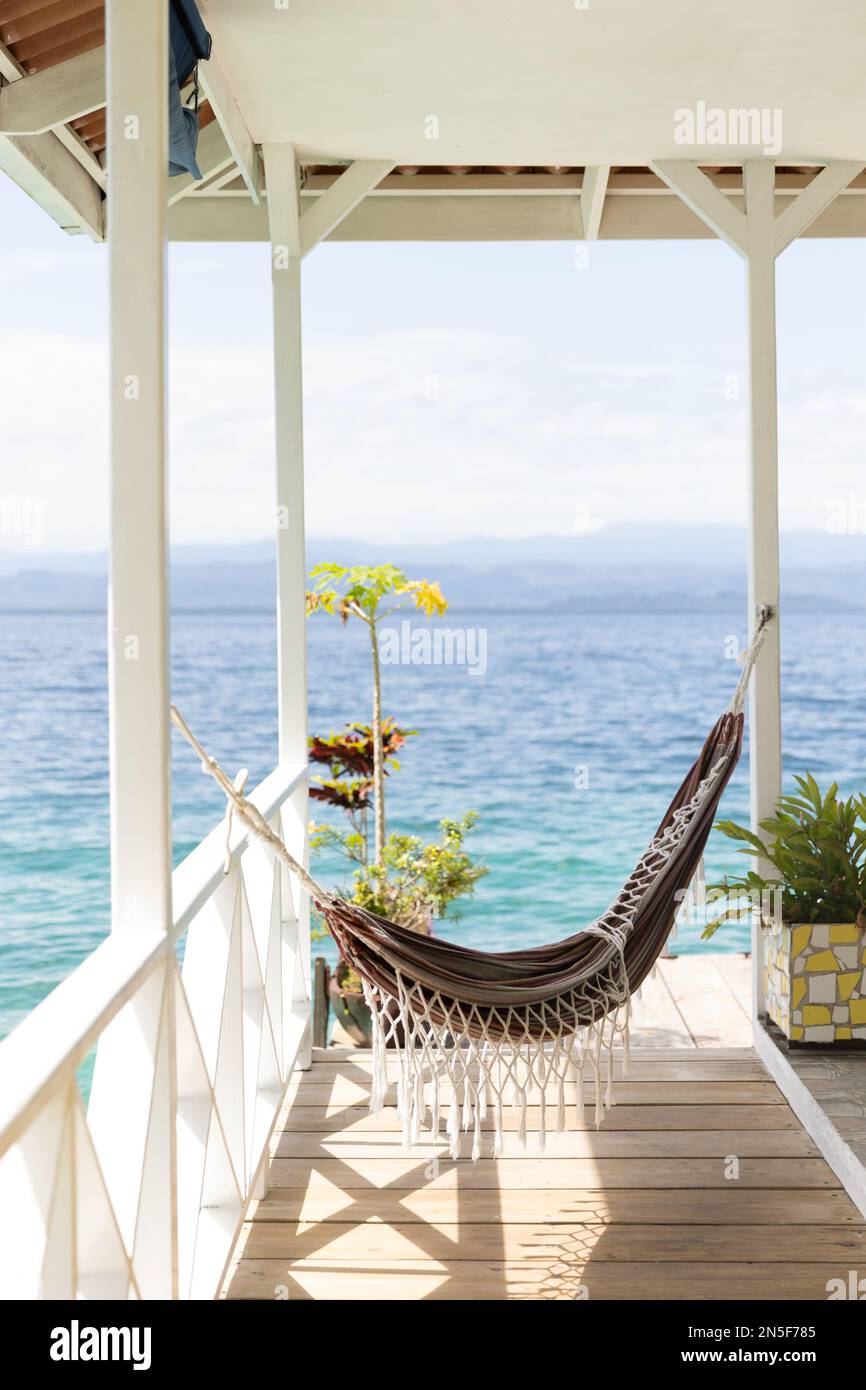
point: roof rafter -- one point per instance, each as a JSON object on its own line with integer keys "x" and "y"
{"x": 700, "y": 194}
{"x": 332, "y": 206}
{"x": 592, "y": 192}
{"x": 58, "y": 94}
{"x": 238, "y": 138}
{"x": 801, "y": 212}
{"x": 12, "y": 72}
{"x": 55, "y": 169}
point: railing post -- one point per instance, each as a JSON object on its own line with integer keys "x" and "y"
{"x": 765, "y": 727}
{"x": 133, "y": 1101}
{"x": 282, "y": 178}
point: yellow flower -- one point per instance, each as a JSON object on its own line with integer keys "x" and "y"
{"x": 428, "y": 596}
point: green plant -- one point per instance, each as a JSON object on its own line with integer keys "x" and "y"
{"x": 358, "y": 591}
{"x": 817, "y": 845}
{"x": 413, "y": 881}
{"x": 349, "y": 757}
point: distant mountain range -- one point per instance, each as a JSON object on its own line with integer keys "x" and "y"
{"x": 662, "y": 567}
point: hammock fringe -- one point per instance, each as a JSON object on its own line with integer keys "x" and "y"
{"x": 437, "y": 1059}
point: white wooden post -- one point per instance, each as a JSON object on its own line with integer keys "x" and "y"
{"x": 138, "y": 591}
{"x": 759, "y": 235}
{"x": 133, "y": 1101}
{"x": 765, "y": 710}
{"x": 283, "y": 199}
{"x": 284, "y": 220}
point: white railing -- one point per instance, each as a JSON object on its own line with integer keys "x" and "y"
{"x": 143, "y": 1195}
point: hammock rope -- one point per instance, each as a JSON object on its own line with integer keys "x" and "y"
{"x": 473, "y": 1031}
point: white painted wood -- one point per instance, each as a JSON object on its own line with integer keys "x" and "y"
{"x": 592, "y": 193}
{"x": 102, "y": 1265}
{"x": 55, "y": 180}
{"x": 12, "y": 71}
{"x": 54, "y": 96}
{"x": 124, "y": 1100}
{"x": 585, "y": 83}
{"x": 37, "y": 1056}
{"x": 215, "y": 1191}
{"x": 289, "y": 990}
{"x": 155, "y": 1248}
{"x": 215, "y": 182}
{"x": 629, "y": 215}
{"x": 282, "y": 180}
{"x": 701, "y": 195}
{"x": 331, "y": 207}
{"x": 138, "y": 585}
{"x": 765, "y": 726}
{"x": 131, "y": 1123}
{"x": 198, "y": 876}
{"x": 814, "y": 200}
{"x": 28, "y": 1181}
{"x": 57, "y": 1251}
{"x": 55, "y": 1036}
{"x": 297, "y": 966}
{"x": 225, "y": 108}
{"x": 817, "y": 1123}
{"x": 147, "y": 1196}
{"x": 639, "y": 183}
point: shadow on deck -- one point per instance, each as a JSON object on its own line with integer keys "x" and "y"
{"x": 700, "y": 1183}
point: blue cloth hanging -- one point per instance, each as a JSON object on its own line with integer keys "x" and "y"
{"x": 188, "y": 42}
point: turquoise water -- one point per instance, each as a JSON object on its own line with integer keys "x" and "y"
{"x": 629, "y": 698}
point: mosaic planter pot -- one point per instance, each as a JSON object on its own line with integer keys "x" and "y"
{"x": 815, "y": 978}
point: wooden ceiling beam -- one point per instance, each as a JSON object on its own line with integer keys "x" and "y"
{"x": 54, "y": 97}
{"x": 48, "y": 16}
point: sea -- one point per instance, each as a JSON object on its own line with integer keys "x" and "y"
{"x": 569, "y": 744}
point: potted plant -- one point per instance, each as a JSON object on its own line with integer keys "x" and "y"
{"x": 399, "y": 876}
{"x": 811, "y": 910}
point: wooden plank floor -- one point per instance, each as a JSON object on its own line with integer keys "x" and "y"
{"x": 696, "y": 1001}
{"x": 700, "y": 1183}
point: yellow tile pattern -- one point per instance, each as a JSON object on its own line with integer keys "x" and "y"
{"x": 815, "y": 986}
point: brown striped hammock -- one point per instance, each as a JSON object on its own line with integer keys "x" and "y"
{"x": 476, "y": 1030}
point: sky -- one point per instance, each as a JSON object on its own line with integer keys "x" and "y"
{"x": 451, "y": 390}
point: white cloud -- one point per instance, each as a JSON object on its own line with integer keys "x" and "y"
{"x": 422, "y": 436}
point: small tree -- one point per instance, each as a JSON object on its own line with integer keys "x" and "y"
{"x": 359, "y": 591}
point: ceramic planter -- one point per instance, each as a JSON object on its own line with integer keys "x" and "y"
{"x": 815, "y": 975}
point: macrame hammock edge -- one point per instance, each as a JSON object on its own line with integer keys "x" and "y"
{"x": 471, "y": 1032}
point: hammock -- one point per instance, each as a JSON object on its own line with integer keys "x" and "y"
{"x": 478, "y": 1029}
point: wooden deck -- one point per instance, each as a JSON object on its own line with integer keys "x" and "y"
{"x": 701, "y": 1183}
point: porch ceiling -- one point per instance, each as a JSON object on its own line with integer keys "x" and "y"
{"x": 544, "y": 83}
{"x": 504, "y": 119}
